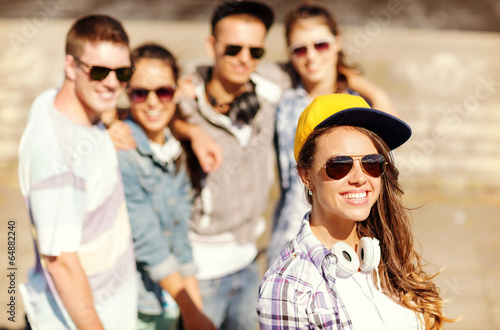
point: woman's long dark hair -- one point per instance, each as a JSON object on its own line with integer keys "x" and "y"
{"x": 401, "y": 275}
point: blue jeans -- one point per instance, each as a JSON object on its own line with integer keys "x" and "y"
{"x": 231, "y": 301}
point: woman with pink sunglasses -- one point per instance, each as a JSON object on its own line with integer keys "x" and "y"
{"x": 317, "y": 67}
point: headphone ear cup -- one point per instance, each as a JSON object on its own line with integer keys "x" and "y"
{"x": 368, "y": 253}
{"x": 347, "y": 260}
{"x": 244, "y": 107}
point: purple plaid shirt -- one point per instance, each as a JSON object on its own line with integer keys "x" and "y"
{"x": 298, "y": 291}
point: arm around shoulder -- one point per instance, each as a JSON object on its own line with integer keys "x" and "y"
{"x": 208, "y": 152}
{"x": 368, "y": 90}
{"x": 121, "y": 135}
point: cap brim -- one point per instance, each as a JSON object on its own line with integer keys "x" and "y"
{"x": 391, "y": 129}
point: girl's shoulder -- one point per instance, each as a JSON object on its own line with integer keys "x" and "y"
{"x": 295, "y": 268}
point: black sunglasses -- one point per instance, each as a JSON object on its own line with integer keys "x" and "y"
{"x": 321, "y": 45}
{"x": 233, "y": 50}
{"x": 138, "y": 95}
{"x": 101, "y": 72}
{"x": 339, "y": 166}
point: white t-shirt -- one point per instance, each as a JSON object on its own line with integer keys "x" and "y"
{"x": 225, "y": 248}
{"x": 369, "y": 308}
{"x": 71, "y": 181}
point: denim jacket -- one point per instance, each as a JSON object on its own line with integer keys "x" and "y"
{"x": 159, "y": 205}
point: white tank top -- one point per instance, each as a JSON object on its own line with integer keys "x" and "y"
{"x": 369, "y": 308}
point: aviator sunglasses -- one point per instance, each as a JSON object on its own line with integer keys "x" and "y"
{"x": 138, "y": 95}
{"x": 339, "y": 166}
{"x": 233, "y": 50}
{"x": 299, "y": 49}
{"x": 101, "y": 72}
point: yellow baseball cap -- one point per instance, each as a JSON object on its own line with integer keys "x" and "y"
{"x": 349, "y": 110}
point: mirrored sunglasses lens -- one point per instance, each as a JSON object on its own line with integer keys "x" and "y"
{"x": 374, "y": 165}
{"x": 165, "y": 94}
{"x": 99, "y": 72}
{"x": 322, "y": 46}
{"x": 232, "y": 50}
{"x": 299, "y": 51}
{"x": 339, "y": 167}
{"x": 256, "y": 52}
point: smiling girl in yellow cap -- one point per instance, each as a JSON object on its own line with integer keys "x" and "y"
{"x": 352, "y": 265}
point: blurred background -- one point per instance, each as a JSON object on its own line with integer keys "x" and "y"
{"x": 476, "y": 15}
{"x": 437, "y": 59}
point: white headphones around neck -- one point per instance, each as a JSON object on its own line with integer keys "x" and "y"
{"x": 348, "y": 261}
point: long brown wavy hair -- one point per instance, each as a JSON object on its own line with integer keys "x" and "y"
{"x": 401, "y": 275}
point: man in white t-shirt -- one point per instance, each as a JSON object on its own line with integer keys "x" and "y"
{"x": 84, "y": 275}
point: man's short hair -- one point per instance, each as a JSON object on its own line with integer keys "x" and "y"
{"x": 227, "y": 8}
{"x": 94, "y": 28}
